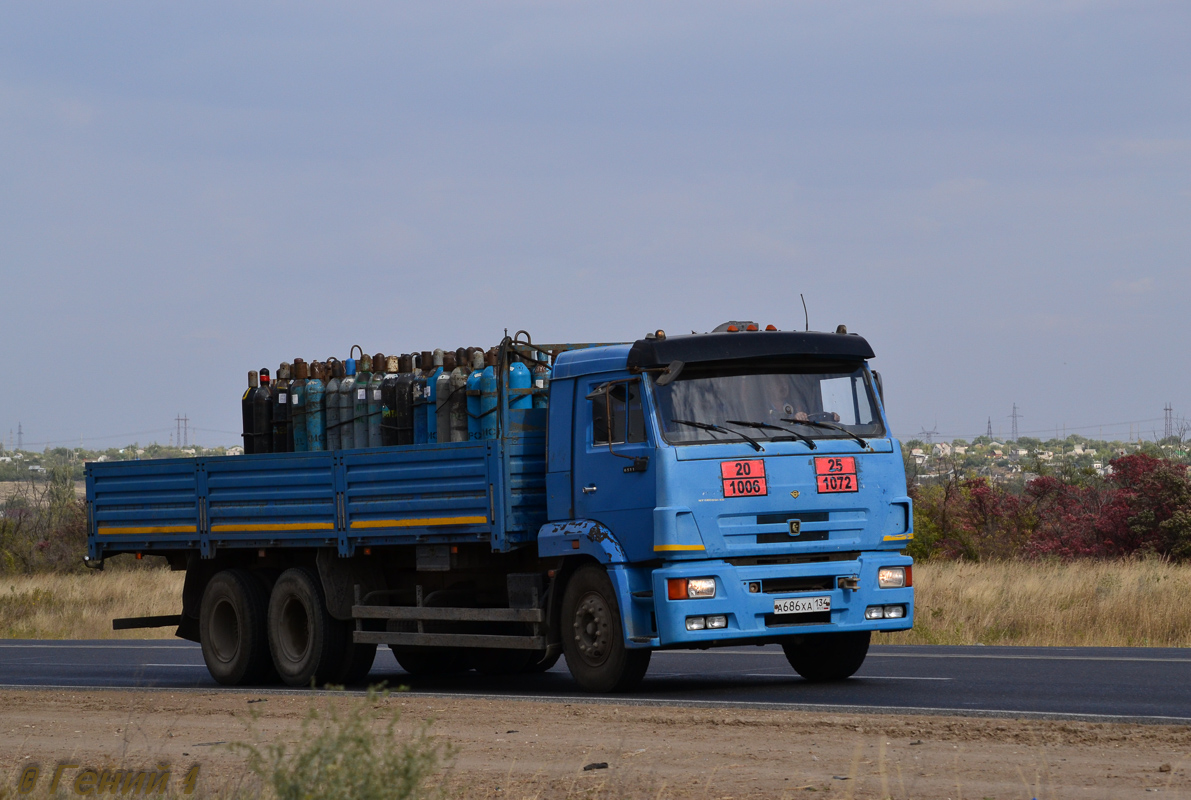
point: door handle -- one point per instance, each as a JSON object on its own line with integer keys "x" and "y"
{"x": 590, "y": 489}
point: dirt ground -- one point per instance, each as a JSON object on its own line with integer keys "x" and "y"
{"x": 527, "y": 749}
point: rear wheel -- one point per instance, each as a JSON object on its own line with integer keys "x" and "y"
{"x": 233, "y": 622}
{"x": 822, "y": 657}
{"x": 306, "y": 642}
{"x": 593, "y": 638}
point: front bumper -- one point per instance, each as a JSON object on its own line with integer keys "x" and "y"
{"x": 750, "y": 615}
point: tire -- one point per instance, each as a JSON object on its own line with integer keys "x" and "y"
{"x": 306, "y": 642}
{"x": 233, "y": 625}
{"x": 541, "y": 662}
{"x": 821, "y": 657}
{"x": 593, "y": 638}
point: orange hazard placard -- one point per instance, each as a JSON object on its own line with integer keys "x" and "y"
{"x": 744, "y": 478}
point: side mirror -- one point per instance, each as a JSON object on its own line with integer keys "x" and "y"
{"x": 880, "y": 388}
{"x": 669, "y": 373}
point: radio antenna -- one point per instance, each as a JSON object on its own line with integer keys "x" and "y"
{"x": 804, "y": 313}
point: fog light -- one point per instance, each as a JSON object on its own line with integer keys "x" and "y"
{"x": 872, "y": 612}
{"x": 719, "y": 621}
{"x": 754, "y": 587}
{"x": 700, "y": 587}
{"x": 895, "y": 612}
{"x": 696, "y": 623}
{"x": 891, "y": 577}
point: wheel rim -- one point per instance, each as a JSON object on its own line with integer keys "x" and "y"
{"x": 294, "y": 633}
{"x": 225, "y": 631}
{"x": 592, "y": 628}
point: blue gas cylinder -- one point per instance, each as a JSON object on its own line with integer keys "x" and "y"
{"x": 316, "y": 409}
{"x": 297, "y": 405}
{"x": 520, "y": 378}
{"x": 375, "y": 404}
{"x": 489, "y": 418}
{"x": 331, "y": 395}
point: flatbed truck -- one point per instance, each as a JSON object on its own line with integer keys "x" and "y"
{"x": 729, "y": 488}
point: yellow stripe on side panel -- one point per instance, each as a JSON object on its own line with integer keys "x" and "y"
{"x": 276, "y": 526}
{"x": 419, "y": 523}
{"x": 105, "y": 530}
{"x": 670, "y": 547}
{"x": 899, "y": 537}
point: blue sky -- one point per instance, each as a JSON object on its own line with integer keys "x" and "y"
{"x": 996, "y": 194}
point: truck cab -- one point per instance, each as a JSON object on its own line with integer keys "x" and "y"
{"x": 738, "y": 486}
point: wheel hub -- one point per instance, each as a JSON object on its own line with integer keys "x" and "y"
{"x": 592, "y": 629}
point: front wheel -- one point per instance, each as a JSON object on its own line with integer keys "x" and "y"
{"x": 593, "y": 638}
{"x": 822, "y": 657}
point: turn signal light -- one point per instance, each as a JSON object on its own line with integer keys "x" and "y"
{"x": 690, "y": 588}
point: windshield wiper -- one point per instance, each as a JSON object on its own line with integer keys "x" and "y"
{"x": 720, "y": 429}
{"x": 769, "y": 427}
{"x": 830, "y": 426}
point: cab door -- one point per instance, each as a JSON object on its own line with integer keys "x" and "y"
{"x": 614, "y": 482}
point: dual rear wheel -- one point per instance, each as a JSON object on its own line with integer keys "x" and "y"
{"x": 252, "y": 635}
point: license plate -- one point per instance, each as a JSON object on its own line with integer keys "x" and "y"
{"x": 802, "y": 605}
{"x": 744, "y": 478}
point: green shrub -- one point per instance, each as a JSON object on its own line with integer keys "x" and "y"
{"x": 355, "y": 753}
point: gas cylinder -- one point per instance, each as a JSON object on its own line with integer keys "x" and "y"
{"x": 316, "y": 408}
{"x": 297, "y": 405}
{"x": 331, "y": 401}
{"x": 519, "y": 378}
{"x": 360, "y": 395}
{"x": 262, "y": 415}
{"x": 375, "y": 401}
{"x": 442, "y": 399}
{"x": 458, "y": 419}
{"x": 419, "y": 397}
{"x": 489, "y": 418}
{"x": 404, "y": 401}
{"x": 541, "y": 381}
{"x": 347, "y": 405}
{"x": 388, "y": 402}
{"x": 247, "y": 414}
{"x": 280, "y": 399}
{"x": 430, "y": 409}
{"x": 474, "y": 432}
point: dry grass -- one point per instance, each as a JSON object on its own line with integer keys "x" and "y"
{"x": 82, "y": 606}
{"x": 1132, "y": 603}
{"x": 1140, "y": 603}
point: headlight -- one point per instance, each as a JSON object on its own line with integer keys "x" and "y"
{"x": 690, "y": 588}
{"x": 891, "y": 577}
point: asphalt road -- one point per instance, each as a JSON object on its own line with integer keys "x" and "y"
{"x": 1109, "y": 684}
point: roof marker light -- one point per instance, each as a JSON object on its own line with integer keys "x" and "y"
{"x": 771, "y": 327}
{"x": 751, "y": 327}
{"x": 732, "y": 329}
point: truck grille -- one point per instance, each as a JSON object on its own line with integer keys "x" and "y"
{"x": 814, "y": 583}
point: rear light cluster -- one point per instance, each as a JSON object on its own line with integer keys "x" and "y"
{"x": 690, "y": 588}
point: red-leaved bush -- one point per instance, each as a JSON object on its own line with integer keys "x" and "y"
{"x": 1142, "y": 507}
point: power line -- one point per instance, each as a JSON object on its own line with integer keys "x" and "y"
{"x": 1169, "y": 414}
{"x": 1015, "y": 417}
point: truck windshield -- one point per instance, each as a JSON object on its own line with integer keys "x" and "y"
{"x": 771, "y": 392}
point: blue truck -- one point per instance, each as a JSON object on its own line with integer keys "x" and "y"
{"x": 677, "y": 492}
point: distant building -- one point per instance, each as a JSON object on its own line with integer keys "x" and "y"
{"x": 235, "y": 451}
{"x": 941, "y": 449}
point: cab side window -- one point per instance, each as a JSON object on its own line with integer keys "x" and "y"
{"x": 617, "y": 416}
